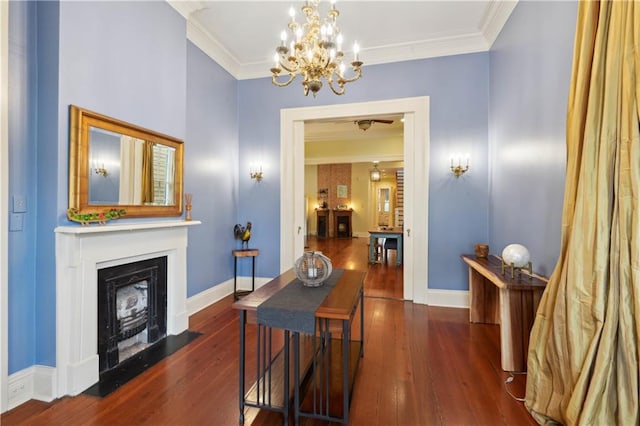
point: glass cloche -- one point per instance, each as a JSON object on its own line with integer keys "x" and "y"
{"x": 313, "y": 268}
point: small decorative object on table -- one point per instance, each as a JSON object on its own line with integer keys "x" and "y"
{"x": 482, "y": 251}
{"x": 516, "y": 257}
{"x": 99, "y": 218}
{"x": 188, "y": 197}
{"x": 243, "y": 233}
{"x": 313, "y": 268}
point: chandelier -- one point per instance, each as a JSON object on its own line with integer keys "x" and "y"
{"x": 314, "y": 50}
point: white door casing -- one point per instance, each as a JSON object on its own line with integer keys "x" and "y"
{"x": 416, "y": 163}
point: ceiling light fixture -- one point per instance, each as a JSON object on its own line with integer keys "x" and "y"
{"x": 374, "y": 174}
{"x": 314, "y": 51}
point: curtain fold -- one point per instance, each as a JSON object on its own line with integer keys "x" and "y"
{"x": 583, "y": 350}
{"x": 130, "y": 191}
{"x": 147, "y": 173}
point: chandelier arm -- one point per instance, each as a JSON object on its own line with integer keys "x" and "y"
{"x": 333, "y": 89}
{"x": 290, "y": 70}
{"x": 284, "y": 83}
{"x": 355, "y": 77}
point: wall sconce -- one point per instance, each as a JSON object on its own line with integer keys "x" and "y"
{"x": 256, "y": 174}
{"x": 458, "y": 170}
{"x": 100, "y": 170}
{"x": 374, "y": 174}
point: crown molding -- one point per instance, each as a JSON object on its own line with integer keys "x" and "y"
{"x": 212, "y": 48}
{"x": 497, "y": 15}
{"x": 186, "y": 8}
{"x": 445, "y": 46}
{"x": 494, "y": 19}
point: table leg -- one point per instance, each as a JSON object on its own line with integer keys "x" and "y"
{"x": 362, "y": 324}
{"x": 296, "y": 377}
{"x": 253, "y": 273}
{"x": 345, "y": 372}
{"x": 241, "y": 364}
{"x": 399, "y": 256}
{"x": 286, "y": 377}
{"x": 372, "y": 242}
{"x": 235, "y": 277}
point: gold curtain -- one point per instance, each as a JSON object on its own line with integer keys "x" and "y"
{"x": 147, "y": 173}
{"x": 583, "y": 351}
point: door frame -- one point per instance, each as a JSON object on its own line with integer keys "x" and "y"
{"x": 416, "y": 164}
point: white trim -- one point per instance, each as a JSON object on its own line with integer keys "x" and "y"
{"x": 35, "y": 382}
{"x": 352, "y": 159}
{"x": 212, "y": 48}
{"x": 80, "y": 253}
{"x": 448, "y": 298}
{"x": 497, "y": 15}
{"x": 218, "y": 292}
{"x": 4, "y": 203}
{"x": 416, "y": 154}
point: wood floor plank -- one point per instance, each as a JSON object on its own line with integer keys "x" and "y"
{"x": 422, "y": 365}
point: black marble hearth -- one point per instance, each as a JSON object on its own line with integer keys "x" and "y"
{"x": 112, "y": 379}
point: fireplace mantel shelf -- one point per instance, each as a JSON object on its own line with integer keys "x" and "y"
{"x": 123, "y": 227}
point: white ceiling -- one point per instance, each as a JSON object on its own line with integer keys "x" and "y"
{"x": 241, "y": 35}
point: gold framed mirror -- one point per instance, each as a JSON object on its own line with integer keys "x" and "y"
{"x": 115, "y": 164}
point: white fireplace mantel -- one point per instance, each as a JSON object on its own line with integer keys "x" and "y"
{"x": 80, "y": 252}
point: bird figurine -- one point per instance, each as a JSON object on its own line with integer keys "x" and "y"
{"x": 243, "y": 233}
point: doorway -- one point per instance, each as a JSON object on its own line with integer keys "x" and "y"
{"x": 416, "y": 151}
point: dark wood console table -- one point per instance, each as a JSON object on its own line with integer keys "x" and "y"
{"x": 322, "y": 385}
{"x": 511, "y": 302}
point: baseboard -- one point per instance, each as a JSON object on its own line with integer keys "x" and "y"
{"x": 211, "y": 295}
{"x": 220, "y": 291}
{"x": 35, "y": 382}
{"x": 448, "y": 298}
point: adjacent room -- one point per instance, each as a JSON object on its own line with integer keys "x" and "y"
{"x": 351, "y": 212}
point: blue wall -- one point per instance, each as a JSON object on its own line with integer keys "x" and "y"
{"x": 530, "y": 75}
{"x": 502, "y": 107}
{"x": 22, "y": 98}
{"x": 458, "y": 87}
{"x": 211, "y": 172}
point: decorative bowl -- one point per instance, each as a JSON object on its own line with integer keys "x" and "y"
{"x": 313, "y": 268}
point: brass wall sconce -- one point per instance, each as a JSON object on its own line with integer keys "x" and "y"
{"x": 101, "y": 171}
{"x": 256, "y": 174}
{"x": 458, "y": 170}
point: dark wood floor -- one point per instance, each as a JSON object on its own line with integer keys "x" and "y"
{"x": 422, "y": 366}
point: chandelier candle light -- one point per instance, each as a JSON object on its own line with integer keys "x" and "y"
{"x": 314, "y": 50}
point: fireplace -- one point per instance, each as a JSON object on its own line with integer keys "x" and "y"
{"x": 132, "y": 305}
{"x": 82, "y": 251}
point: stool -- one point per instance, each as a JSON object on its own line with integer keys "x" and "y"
{"x": 389, "y": 244}
{"x": 244, "y": 253}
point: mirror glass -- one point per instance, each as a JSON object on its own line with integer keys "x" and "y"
{"x": 117, "y": 164}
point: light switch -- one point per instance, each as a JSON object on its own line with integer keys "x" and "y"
{"x": 19, "y": 204}
{"x": 16, "y": 222}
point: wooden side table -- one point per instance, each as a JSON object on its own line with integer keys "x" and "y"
{"x": 510, "y": 302}
{"x": 244, "y": 253}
